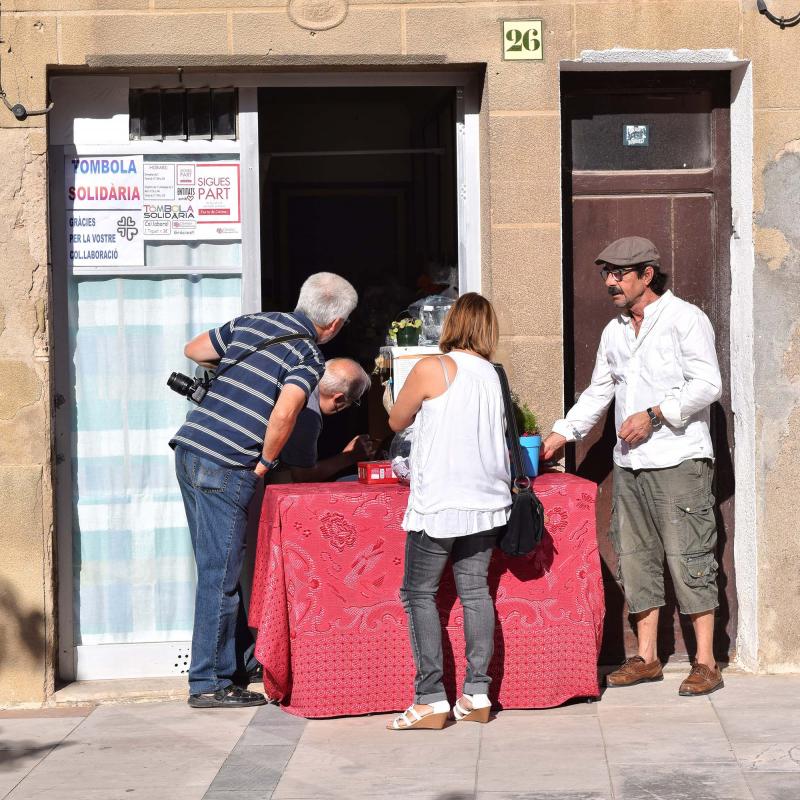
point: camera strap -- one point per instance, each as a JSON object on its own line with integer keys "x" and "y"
{"x": 263, "y": 346}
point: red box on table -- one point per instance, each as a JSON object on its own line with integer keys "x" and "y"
{"x": 376, "y": 472}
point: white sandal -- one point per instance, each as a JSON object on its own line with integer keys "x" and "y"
{"x": 480, "y": 707}
{"x": 411, "y": 718}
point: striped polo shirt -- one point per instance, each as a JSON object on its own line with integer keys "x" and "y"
{"x": 230, "y": 425}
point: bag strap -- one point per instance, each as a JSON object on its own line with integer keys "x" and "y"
{"x": 263, "y": 346}
{"x": 522, "y": 481}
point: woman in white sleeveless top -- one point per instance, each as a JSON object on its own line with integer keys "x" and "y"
{"x": 459, "y": 497}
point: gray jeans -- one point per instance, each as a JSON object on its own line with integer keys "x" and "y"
{"x": 425, "y": 562}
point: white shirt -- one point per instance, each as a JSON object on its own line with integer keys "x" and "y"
{"x": 672, "y": 363}
{"x": 460, "y": 475}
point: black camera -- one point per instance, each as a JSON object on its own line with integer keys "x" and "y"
{"x": 191, "y": 388}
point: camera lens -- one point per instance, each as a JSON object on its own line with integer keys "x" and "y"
{"x": 182, "y": 384}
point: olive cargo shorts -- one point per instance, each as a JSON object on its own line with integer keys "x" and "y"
{"x": 666, "y": 512}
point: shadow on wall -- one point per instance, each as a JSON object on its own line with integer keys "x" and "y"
{"x": 21, "y": 630}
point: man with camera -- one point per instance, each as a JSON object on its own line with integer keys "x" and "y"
{"x": 267, "y": 365}
{"x": 342, "y": 386}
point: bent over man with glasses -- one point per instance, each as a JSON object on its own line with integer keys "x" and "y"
{"x": 657, "y": 361}
{"x": 342, "y": 386}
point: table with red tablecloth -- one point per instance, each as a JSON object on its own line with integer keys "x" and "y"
{"x": 332, "y": 633}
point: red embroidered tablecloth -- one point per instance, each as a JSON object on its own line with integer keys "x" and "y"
{"x": 332, "y": 632}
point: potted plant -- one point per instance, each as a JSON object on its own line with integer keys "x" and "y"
{"x": 529, "y": 439}
{"x": 405, "y": 331}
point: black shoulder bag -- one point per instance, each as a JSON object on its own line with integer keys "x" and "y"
{"x": 525, "y": 526}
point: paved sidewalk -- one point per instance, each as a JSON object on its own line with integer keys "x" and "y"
{"x": 640, "y": 743}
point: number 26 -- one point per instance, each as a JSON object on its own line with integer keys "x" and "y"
{"x": 527, "y": 40}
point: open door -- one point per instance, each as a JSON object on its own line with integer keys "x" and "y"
{"x": 648, "y": 154}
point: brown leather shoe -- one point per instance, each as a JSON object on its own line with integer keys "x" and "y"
{"x": 701, "y": 680}
{"x": 634, "y": 671}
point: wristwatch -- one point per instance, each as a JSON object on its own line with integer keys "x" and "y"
{"x": 654, "y": 420}
{"x": 270, "y": 465}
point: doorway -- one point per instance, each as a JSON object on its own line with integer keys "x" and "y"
{"x": 360, "y": 181}
{"x": 648, "y": 154}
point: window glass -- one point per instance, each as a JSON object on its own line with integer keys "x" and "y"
{"x": 643, "y": 132}
{"x": 173, "y": 107}
{"x": 198, "y": 114}
{"x": 224, "y": 113}
{"x": 134, "y": 570}
{"x": 150, "y": 115}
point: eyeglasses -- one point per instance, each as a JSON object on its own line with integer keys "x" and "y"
{"x": 348, "y": 401}
{"x": 617, "y": 274}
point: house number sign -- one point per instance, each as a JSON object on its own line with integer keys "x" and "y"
{"x": 522, "y": 40}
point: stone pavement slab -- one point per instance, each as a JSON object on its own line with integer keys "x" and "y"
{"x": 640, "y": 743}
{"x": 147, "y": 748}
{"x": 27, "y": 739}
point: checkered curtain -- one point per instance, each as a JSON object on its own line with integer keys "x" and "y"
{"x": 134, "y": 574}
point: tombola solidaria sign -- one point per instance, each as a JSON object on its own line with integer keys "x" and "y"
{"x": 104, "y": 210}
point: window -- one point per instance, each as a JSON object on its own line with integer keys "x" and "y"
{"x": 163, "y": 114}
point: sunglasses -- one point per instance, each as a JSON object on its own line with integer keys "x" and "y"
{"x": 617, "y": 274}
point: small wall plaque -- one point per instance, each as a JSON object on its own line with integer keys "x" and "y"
{"x": 522, "y": 40}
{"x": 636, "y": 135}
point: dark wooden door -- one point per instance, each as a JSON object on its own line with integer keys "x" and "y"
{"x": 648, "y": 154}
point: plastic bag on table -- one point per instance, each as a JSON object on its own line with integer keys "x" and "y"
{"x": 400, "y": 454}
{"x": 431, "y": 310}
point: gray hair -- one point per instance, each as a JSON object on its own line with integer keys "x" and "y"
{"x": 325, "y": 297}
{"x": 345, "y": 376}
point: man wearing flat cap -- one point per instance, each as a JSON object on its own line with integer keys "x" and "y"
{"x": 657, "y": 361}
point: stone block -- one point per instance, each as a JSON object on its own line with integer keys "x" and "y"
{"x": 535, "y": 367}
{"x": 140, "y": 34}
{"x": 21, "y": 387}
{"x": 363, "y": 33}
{"x": 25, "y": 437}
{"x": 772, "y": 51}
{"x": 22, "y": 592}
{"x": 473, "y": 34}
{"x": 218, "y": 5}
{"x": 30, "y": 43}
{"x": 78, "y": 5}
{"x": 657, "y": 26}
{"x": 525, "y": 175}
{"x": 526, "y": 280}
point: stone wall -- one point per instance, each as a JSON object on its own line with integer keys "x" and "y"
{"x": 521, "y": 222}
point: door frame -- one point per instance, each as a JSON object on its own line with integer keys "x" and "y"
{"x": 152, "y": 659}
{"x": 742, "y": 266}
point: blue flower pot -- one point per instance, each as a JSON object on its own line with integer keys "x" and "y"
{"x": 530, "y": 454}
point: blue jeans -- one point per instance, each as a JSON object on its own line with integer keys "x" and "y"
{"x": 426, "y": 559}
{"x": 216, "y": 500}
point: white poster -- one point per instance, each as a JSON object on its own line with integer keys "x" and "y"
{"x": 159, "y": 181}
{"x": 191, "y": 200}
{"x": 115, "y": 203}
{"x": 105, "y": 238}
{"x": 103, "y": 198}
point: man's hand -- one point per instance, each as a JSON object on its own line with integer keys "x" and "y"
{"x": 260, "y": 470}
{"x": 361, "y": 448}
{"x": 551, "y": 445}
{"x": 636, "y": 429}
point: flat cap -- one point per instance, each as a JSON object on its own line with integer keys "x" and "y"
{"x": 628, "y": 251}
